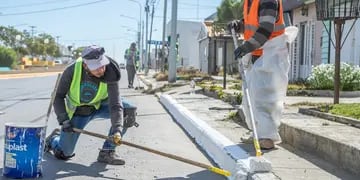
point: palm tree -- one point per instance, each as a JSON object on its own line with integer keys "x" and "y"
{"x": 227, "y": 11}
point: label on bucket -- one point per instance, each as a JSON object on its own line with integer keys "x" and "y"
{"x": 23, "y": 151}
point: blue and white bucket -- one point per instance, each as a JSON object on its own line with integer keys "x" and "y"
{"x": 24, "y": 145}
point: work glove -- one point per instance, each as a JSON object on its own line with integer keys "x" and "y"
{"x": 66, "y": 126}
{"x": 237, "y": 25}
{"x": 238, "y": 53}
{"x": 116, "y": 137}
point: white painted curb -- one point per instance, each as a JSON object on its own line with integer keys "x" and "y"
{"x": 224, "y": 152}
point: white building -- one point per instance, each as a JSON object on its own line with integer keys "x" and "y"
{"x": 188, "y": 34}
{"x": 350, "y": 51}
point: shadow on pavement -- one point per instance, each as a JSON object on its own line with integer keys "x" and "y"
{"x": 56, "y": 169}
{"x": 198, "y": 175}
{"x": 152, "y": 114}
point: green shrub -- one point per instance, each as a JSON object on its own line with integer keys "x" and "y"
{"x": 238, "y": 96}
{"x": 322, "y": 77}
{"x": 7, "y": 57}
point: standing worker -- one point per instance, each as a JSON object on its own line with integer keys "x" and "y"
{"x": 132, "y": 63}
{"x": 88, "y": 89}
{"x": 265, "y": 55}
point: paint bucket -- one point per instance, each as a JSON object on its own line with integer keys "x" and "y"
{"x": 24, "y": 145}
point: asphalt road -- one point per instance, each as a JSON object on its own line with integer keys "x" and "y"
{"x": 27, "y": 99}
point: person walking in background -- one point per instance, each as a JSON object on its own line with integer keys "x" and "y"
{"x": 132, "y": 63}
{"x": 264, "y": 52}
{"x": 88, "y": 89}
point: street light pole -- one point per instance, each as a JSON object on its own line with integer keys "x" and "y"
{"x": 163, "y": 39}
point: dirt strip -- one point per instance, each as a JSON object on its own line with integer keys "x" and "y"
{"x": 27, "y": 75}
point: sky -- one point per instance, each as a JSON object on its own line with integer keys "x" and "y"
{"x": 109, "y": 23}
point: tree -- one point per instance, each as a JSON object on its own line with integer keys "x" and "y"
{"x": 7, "y": 57}
{"x": 227, "y": 11}
{"x": 8, "y": 36}
{"x": 28, "y": 44}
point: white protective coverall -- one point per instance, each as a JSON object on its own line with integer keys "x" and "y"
{"x": 267, "y": 81}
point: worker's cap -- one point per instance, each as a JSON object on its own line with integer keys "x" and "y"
{"x": 133, "y": 45}
{"x": 94, "y": 57}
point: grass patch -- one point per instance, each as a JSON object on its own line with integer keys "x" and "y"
{"x": 351, "y": 110}
{"x": 297, "y": 87}
{"x": 348, "y": 110}
{"x": 306, "y": 103}
{"x": 232, "y": 115}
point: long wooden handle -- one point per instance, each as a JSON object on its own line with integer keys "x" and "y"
{"x": 171, "y": 156}
{"x": 53, "y": 93}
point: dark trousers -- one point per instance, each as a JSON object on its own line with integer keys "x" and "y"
{"x": 131, "y": 73}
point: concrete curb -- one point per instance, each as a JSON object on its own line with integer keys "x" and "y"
{"x": 224, "y": 152}
{"x": 344, "y": 155}
{"x": 147, "y": 84}
{"x": 331, "y": 117}
{"x": 28, "y": 75}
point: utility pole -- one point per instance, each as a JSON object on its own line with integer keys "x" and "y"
{"x": 57, "y": 40}
{"x": 172, "y": 56}
{"x": 163, "y": 39}
{"x": 151, "y": 26}
{"x": 32, "y": 31}
{"x": 146, "y": 38}
{"x": 32, "y": 37}
{"x": 197, "y": 10}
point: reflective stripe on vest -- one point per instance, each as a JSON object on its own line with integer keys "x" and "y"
{"x": 73, "y": 97}
{"x": 251, "y": 21}
{"x": 127, "y": 52}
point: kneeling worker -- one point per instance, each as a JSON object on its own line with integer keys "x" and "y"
{"x": 88, "y": 89}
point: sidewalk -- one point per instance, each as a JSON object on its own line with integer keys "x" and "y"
{"x": 204, "y": 119}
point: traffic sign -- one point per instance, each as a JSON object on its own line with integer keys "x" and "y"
{"x": 156, "y": 42}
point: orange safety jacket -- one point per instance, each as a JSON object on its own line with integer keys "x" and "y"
{"x": 251, "y": 22}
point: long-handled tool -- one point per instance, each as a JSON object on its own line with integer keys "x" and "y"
{"x": 52, "y": 98}
{"x": 171, "y": 156}
{"x": 246, "y": 93}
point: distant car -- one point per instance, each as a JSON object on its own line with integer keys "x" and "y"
{"x": 58, "y": 62}
{"x": 122, "y": 66}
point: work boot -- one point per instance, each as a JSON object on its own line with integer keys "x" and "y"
{"x": 266, "y": 144}
{"x": 61, "y": 156}
{"x": 55, "y": 132}
{"x": 109, "y": 157}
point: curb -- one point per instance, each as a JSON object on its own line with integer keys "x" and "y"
{"x": 28, "y": 75}
{"x": 222, "y": 151}
{"x": 147, "y": 83}
{"x": 331, "y": 117}
{"x": 345, "y": 156}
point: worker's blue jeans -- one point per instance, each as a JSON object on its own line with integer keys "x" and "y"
{"x": 66, "y": 141}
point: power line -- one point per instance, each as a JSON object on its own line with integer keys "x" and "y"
{"x": 202, "y": 6}
{"x": 103, "y": 39}
{"x": 32, "y": 4}
{"x": 54, "y": 9}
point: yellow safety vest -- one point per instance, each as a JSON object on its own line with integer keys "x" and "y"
{"x": 73, "y": 97}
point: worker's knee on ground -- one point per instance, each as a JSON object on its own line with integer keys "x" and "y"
{"x": 129, "y": 116}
